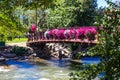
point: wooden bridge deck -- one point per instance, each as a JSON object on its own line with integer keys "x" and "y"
{"x": 36, "y": 42}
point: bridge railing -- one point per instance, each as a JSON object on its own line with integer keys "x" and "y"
{"x": 40, "y": 37}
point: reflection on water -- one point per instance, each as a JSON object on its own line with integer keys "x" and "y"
{"x": 90, "y": 60}
{"x": 19, "y": 64}
{"x": 25, "y": 71}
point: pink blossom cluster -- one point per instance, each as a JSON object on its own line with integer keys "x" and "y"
{"x": 33, "y": 27}
{"x": 72, "y": 33}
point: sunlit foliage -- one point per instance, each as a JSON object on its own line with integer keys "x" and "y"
{"x": 108, "y": 48}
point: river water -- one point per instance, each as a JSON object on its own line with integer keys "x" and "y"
{"x": 45, "y": 70}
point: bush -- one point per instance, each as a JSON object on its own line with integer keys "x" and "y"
{"x": 2, "y": 43}
{"x": 19, "y": 51}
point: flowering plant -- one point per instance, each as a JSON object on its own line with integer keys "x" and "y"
{"x": 33, "y": 28}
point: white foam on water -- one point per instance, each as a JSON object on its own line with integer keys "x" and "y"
{"x": 2, "y": 69}
{"x": 44, "y": 79}
{"x": 7, "y": 68}
{"x": 60, "y": 71}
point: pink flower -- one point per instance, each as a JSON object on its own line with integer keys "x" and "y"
{"x": 60, "y": 33}
{"x": 33, "y": 27}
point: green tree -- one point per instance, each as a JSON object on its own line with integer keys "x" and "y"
{"x": 60, "y": 17}
{"x": 8, "y": 28}
{"x": 108, "y": 48}
{"x": 72, "y": 13}
{"x": 84, "y": 12}
{"x": 11, "y": 11}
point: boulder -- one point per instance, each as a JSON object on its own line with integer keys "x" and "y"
{"x": 53, "y": 50}
{"x": 2, "y": 61}
{"x": 57, "y": 48}
{"x": 9, "y": 55}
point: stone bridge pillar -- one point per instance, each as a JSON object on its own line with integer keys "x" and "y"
{"x": 55, "y": 50}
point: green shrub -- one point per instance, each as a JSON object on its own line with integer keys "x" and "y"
{"x": 2, "y": 43}
{"x": 19, "y": 51}
{"x": 73, "y": 47}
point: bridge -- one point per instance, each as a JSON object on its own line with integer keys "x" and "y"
{"x": 65, "y": 35}
{"x": 41, "y": 41}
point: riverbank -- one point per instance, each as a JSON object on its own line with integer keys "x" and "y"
{"x": 31, "y": 67}
{"x": 23, "y": 44}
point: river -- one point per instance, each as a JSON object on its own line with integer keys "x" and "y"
{"x": 45, "y": 70}
{"x": 48, "y": 70}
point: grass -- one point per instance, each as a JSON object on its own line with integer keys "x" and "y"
{"x": 17, "y": 40}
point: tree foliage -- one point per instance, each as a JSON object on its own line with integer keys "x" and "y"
{"x": 85, "y": 14}
{"x": 108, "y": 47}
{"x": 72, "y": 13}
{"x": 8, "y": 28}
{"x": 11, "y": 11}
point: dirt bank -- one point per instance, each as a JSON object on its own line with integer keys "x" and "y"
{"x": 23, "y": 44}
